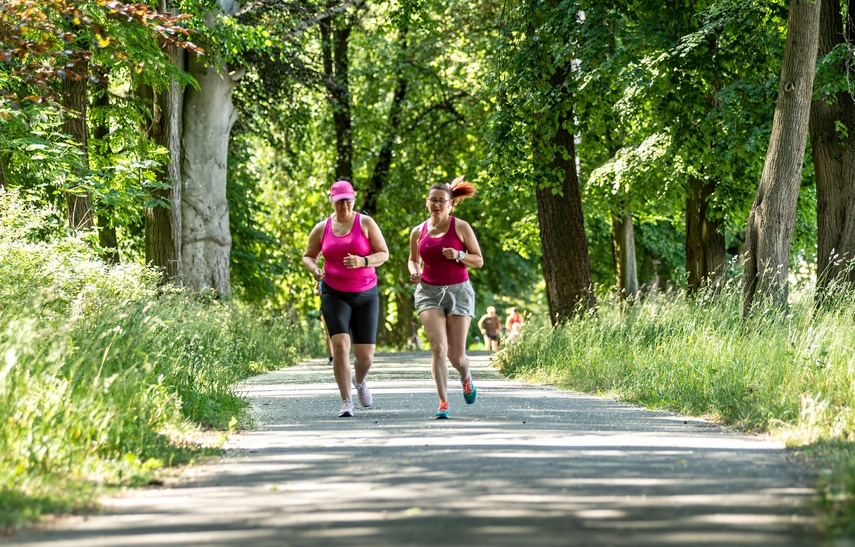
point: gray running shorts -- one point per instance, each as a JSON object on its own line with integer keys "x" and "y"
{"x": 457, "y": 299}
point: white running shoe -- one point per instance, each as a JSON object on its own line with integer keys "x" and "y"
{"x": 346, "y": 409}
{"x": 362, "y": 391}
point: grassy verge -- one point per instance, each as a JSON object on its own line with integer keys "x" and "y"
{"x": 790, "y": 373}
{"x": 104, "y": 378}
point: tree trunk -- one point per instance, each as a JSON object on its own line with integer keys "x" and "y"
{"x": 769, "y": 231}
{"x": 399, "y": 336}
{"x": 834, "y": 161}
{"x": 74, "y": 103}
{"x": 107, "y": 239}
{"x": 706, "y": 255}
{"x": 3, "y": 161}
{"x": 649, "y": 279}
{"x": 2, "y": 171}
{"x": 380, "y": 176}
{"x": 208, "y": 119}
{"x": 623, "y": 239}
{"x": 334, "y": 47}
{"x": 163, "y": 224}
{"x": 566, "y": 265}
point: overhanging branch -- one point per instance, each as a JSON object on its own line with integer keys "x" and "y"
{"x": 326, "y": 14}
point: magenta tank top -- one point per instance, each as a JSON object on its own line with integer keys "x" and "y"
{"x": 336, "y": 248}
{"x": 437, "y": 269}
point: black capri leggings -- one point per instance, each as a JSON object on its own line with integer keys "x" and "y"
{"x": 356, "y": 313}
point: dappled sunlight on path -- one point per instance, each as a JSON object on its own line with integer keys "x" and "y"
{"x": 525, "y": 465}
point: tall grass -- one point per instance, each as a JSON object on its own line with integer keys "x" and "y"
{"x": 104, "y": 377}
{"x": 787, "y": 372}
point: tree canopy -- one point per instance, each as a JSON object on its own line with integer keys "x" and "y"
{"x": 659, "y": 114}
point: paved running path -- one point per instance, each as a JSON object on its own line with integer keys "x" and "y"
{"x": 526, "y": 465}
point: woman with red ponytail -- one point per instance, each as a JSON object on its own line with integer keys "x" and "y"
{"x": 441, "y": 250}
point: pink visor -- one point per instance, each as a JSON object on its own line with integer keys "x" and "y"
{"x": 341, "y": 190}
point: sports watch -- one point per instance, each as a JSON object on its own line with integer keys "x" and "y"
{"x": 461, "y": 255}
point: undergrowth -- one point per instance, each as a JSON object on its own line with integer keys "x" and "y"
{"x": 789, "y": 372}
{"x": 105, "y": 378}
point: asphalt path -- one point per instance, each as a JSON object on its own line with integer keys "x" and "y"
{"x": 526, "y": 465}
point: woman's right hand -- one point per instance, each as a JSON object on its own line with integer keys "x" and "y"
{"x": 318, "y": 274}
{"x": 415, "y": 278}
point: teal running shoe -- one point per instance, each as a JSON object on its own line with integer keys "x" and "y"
{"x": 442, "y": 413}
{"x": 469, "y": 391}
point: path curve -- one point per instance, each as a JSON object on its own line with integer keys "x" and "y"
{"x": 526, "y": 465}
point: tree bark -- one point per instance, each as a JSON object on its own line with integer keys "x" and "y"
{"x": 380, "y": 176}
{"x": 207, "y": 122}
{"x": 769, "y": 230}
{"x": 3, "y": 161}
{"x": 163, "y": 224}
{"x": 2, "y": 171}
{"x": 706, "y": 254}
{"x": 650, "y": 276}
{"x": 334, "y": 47}
{"x": 834, "y": 161}
{"x": 107, "y": 239}
{"x": 399, "y": 336}
{"x": 623, "y": 239}
{"x": 74, "y": 103}
{"x": 566, "y": 265}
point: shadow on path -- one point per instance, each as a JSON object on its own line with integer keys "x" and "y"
{"x": 525, "y": 465}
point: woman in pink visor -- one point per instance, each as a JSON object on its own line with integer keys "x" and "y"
{"x": 352, "y": 247}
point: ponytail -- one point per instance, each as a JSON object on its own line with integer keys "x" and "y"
{"x": 461, "y": 189}
{"x": 457, "y": 189}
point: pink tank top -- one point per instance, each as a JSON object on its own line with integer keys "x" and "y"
{"x": 437, "y": 269}
{"x": 336, "y": 248}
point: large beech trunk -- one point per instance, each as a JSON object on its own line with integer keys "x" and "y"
{"x": 208, "y": 119}
{"x": 834, "y": 161}
{"x": 769, "y": 231}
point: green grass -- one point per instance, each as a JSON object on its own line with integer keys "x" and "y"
{"x": 47, "y": 497}
{"x": 105, "y": 379}
{"x": 790, "y": 372}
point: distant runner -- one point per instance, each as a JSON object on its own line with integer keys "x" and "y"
{"x": 490, "y": 326}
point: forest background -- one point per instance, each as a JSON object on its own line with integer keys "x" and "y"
{"x": 627, "y": 155}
